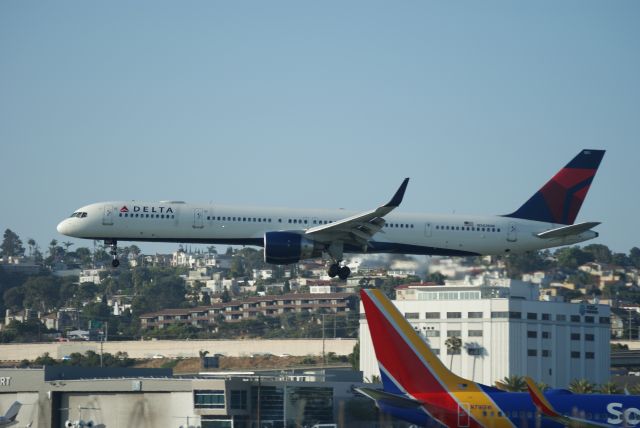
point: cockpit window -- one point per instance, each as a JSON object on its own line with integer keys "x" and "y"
{"x": 79, "y": 214}
{"x": 84, "y": 215}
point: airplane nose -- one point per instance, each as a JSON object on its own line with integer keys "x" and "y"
{"x": 63, "y": 227}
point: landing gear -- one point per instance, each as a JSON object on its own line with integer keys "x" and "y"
{"x": 335, "y": 251}
{"x": 341, "y": 272}
{"x": 344, "y": 272}
{"x": 334, "y": 269}
{"x": 114, "y": 251}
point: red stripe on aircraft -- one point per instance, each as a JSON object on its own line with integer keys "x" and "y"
{"x": 397, "y": 357}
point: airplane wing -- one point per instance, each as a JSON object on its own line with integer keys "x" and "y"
{"x": 361, "y": 227}
{"x": 545, "y": 407}
{"x": 388, "y": 398}
{"x": 563, "y": 231}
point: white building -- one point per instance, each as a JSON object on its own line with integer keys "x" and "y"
{"x": 505, "y": 330}
{"x": 90, "y": 275}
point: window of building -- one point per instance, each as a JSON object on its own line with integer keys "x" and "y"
{"x": 575, "y": 336}
{"x": 575, "y": 318}
{"x": 435, "y": 351}
{"x": 515, "y": 315}
{"x": 454, "y": 333}
{"x": 474, "y": 314}
{"x": 546, "y": 335}
{"x": 532, "y": 334}
{"x": 546, "y": 353}
{"x": 454, "y": 314}
{"x": 238, "y": 400}
{"x": 475, "y": 333}
{"x": 575, "y": 354}
{"x": 452, "y": 351}
{"x": 499, "y": 314}
{"x": 561, "y": 317}
{"x": 412, "y": 315}
{"x": 546, "y": 317}
{"x": 605, "y": 320}
{"x": 532, "y": 352}
{"x": 432, "y": 333}
{"x": 208, "y": 399}
{"x": 532, "y": 316}
{"x": 589, "y": 319}
{"x": 432, "y": 315}
{"x": 589, "y": 337}
{"x": 589, "y": 355}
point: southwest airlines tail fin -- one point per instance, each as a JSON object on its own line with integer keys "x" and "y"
{"x": 12, "y": 413}
{"x": 408, "y": 367}
{"x": 560, "y": 199}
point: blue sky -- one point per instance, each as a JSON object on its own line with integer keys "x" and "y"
{"x": 316, "y": 104}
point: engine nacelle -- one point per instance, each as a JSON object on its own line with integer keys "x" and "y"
{"x": 283, "y": 248}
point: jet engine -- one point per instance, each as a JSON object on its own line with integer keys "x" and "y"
{"x": 283, "y": 248}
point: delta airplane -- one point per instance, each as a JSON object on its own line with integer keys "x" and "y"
{"x": 417, "y": 387}
{"x": 9, "y": 418}
{"x": 289, "y": 235}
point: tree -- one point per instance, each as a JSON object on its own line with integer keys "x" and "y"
{"x": 11, "y": 245}
{"x": 601, "y": 253}
{"x": 609, "y": 388}
{"x": 581, "y": 386}
{"x": 32, "y": 245}
{"x": 512, "y": 383}
{"x": 572, "y": 257}
{"x": 437, "y": 278}
{"x": 531, "y": 261}
{"x": 453, "y": 344}
{"x": 634, "y": 257}
{"x": 354, "y": 357}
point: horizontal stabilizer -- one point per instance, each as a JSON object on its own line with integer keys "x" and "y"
{"x": 574, "y": 229}
{"x": 390, "y": 399}
{"x": 545, "y": 407}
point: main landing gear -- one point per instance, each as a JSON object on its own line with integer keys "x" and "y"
{"x": 341, "y": 272}
{"x": 114, "y": 251}
{"x": 335, "y": 251}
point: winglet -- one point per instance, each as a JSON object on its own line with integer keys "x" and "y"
{"x": 540, "y": 400}
{"x": 397, "y": 198}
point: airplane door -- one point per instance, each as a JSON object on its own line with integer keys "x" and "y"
{"x": 427, "y": 230}
{"x": 512, "y": 232}
{"x": 198, "y": 218}
{"x": 107, "y": 215}
{"x": 464, "y": 409}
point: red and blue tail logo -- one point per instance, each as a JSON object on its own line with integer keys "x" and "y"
{"x": 559, "y": 200}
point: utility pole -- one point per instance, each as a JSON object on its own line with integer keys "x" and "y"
{"x": 324, "y": 362}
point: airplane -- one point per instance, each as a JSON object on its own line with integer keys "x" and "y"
{"x": 420, "y": 389}
{"x": 546, "y": 220}
{"x": 9, "y": 418}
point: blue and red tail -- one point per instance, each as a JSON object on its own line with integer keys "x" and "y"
{"x": 559, "y": 200}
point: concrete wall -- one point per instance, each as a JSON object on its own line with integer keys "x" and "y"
{"x": 183, "y": 348}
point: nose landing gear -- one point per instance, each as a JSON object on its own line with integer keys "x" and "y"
{"x": 114, "y": 251}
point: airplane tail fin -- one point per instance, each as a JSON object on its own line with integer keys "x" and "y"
{"x": 559, "y": 200}
{"x": 407, "y": 365}
{"x": 12, "y": 413}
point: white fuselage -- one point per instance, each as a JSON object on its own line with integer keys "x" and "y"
{"x": 406, "y": 233}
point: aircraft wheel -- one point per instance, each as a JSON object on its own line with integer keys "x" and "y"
{"x": 115, "y": 263}
{"x": 334, "y": 270}
{"x": 344, "y": 272}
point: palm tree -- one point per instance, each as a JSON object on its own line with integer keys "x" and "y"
{"x": 609, "y": 388}
{"x": 581, "y": 386}
{"x": 32, "y": 244}
{"x": 453, "y": 344}
{"x": 512, "y": 383}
